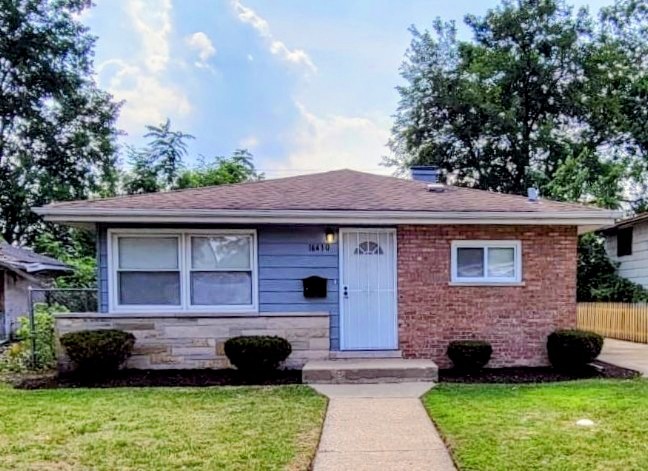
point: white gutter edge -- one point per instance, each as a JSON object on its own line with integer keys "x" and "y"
{"x": 589, "y": 218}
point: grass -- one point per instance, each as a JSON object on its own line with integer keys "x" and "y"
{"x": 529, "y": 427}
{"x": 160, "y": 428}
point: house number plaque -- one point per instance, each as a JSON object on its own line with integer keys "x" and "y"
{"x": 319, "y": 248}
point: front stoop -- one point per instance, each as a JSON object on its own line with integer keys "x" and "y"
{"x": 369, "y": 370}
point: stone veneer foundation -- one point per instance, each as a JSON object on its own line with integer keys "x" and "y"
{"x": 172, "y": 341}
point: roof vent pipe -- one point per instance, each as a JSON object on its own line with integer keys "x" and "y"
{"x": 425, "y": 173}
{"x": 533, "y": 194}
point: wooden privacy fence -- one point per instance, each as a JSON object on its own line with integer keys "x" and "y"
{"x": 616, "y": 320}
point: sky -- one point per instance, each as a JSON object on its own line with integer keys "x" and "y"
{"x": 305, "y": 85}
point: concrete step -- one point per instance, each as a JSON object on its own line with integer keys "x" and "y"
{"x": 356, "y": 354}
{"x": 369, "y": 370}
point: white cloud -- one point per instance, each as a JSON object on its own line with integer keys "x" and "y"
{"x": 249, "y": 142}
{"x": 152, "y": 20}
{"x": 140, "y": 82}
{"x": 276, "y": 46}
{"x": 332, "y": 142}
{"x": 201, "y": 43}
{"x": 147, "y": 99}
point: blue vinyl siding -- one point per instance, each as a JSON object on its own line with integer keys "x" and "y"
{"x": 284, "y": 259}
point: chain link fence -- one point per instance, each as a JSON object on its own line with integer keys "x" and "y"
{"x": 4, "y": 328}
{"x": 69, "y": 299}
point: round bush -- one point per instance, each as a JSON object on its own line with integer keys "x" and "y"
{"x": 571, "y": 349}
{"x": 257, "y": 354}
{"x": 98, "y": 352}
{"x": 469, "y": 355}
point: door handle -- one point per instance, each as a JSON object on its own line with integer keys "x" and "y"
{"x": 345, "y": 291}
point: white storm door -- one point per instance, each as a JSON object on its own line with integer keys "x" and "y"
{"x": 368, "y": 319}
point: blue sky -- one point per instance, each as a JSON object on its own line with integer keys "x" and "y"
{"x": 305, "y": 85}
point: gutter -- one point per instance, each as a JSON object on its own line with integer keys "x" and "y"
{"x": 597, "y": 218}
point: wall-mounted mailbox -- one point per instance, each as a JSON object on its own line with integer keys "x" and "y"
{"x": 314, "y": 287}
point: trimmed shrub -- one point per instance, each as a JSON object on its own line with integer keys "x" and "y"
{"x": 571, "y": 349}
{"x": 257, "y": 354}
{"x": 469, "y": 355}
{"x": 98, "y": 352}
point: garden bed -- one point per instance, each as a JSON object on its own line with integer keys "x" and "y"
{"x": 159, "y": 378}
{"x": 546, "y": 374}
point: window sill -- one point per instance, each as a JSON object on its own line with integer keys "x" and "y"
{"x": 486, "y": 283}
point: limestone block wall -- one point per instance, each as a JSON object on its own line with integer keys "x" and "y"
{"x": 166, "y": 341}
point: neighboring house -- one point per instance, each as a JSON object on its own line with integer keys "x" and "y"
{"x": 341, "y": 263}
{"x": 627, "y": 245}
{"x": 19, "y": 270}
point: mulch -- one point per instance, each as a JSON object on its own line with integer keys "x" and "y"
{"x": 160, "y": 378}
{"x": 231, "y": 377}
{"x": 520, "y": 375}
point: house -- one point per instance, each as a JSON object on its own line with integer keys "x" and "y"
{"x": 341, "y": 263}
{"x": 627, "y": 245}
{"x": 21, "y": 269}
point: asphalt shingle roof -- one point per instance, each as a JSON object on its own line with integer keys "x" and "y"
{"x": 28, "y": 260}
{"x": 336, "y": 190}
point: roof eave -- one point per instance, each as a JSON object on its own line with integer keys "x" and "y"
{"x": 38, "y": 267}
{"x": 592, "y": 219}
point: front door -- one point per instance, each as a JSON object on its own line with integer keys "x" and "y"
{"x": 368, "y": 289}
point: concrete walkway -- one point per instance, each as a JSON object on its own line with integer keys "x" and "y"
{"x": 379, "y": 427}
{"x": 626, "y": 354}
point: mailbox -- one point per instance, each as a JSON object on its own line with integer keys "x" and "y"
{"x": 314, "y": 287}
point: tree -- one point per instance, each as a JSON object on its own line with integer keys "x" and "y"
{"x": 598, "y": 280}
{"x": 57, "y": 128}
{"x": 157, "y": 166}
{"x": 589, "y": 179}
{"x": 524, "y": 98}
{"x": 76, "y": 251}
{"x": 222, "y": 170}
{"x": 621, "y": 92}
{"x": 143, "y": 176}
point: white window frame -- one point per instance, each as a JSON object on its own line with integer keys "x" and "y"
{"x": 184, "y": 264}
{"x": 516, "y": 245}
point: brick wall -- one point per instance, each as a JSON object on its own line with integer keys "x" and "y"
{"x": 515, "y": 319}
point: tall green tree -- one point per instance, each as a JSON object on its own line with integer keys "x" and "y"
{"x": 621, "y": 92}
{"x": 237, "y": 168}
{"x": 158, "y": 165}
{"x": 143, "y": 175}
{"x": 57, "y": 128}
{"x": 524, "y": 98}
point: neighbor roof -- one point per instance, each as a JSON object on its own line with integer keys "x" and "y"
{"x": 28, "y": 261}
{"x": 336, "y": 194}
{"x": 624, "y": 223}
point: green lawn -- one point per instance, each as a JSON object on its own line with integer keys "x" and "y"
{"x": 529, "y": 427}
{"x": 164, "y": 428}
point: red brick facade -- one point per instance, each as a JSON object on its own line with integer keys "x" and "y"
{"x": 514, "y": 319}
